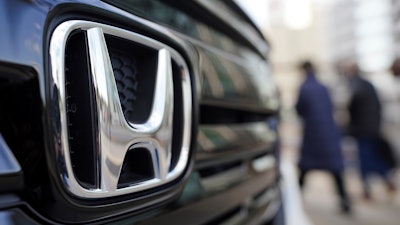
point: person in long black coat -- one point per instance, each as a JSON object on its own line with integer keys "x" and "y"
{"x": 320, "y": 148}
{"x": 365, "y": 123}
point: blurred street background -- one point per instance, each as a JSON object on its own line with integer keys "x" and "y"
{"x": 327, "y": 31}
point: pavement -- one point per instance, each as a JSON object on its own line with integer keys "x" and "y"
{"x": 317, "y": 203}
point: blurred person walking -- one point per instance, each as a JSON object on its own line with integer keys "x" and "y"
{"x": 365, "y": 122}
{"x": 320, "y": 148}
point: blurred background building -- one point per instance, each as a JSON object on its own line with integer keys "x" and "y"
{"x": 327, "y": 31}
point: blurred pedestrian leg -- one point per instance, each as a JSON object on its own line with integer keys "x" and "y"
{"x": 340, "y": 188}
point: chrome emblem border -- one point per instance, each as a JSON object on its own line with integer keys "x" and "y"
{"x": 116, "y": 135}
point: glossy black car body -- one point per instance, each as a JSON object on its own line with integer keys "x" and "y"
{"x": 231, "y": 175}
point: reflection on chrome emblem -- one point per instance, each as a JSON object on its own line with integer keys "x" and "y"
{"x": 116, "y": 136}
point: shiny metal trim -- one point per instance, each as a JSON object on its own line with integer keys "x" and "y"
{"x": 264, "y": 163}
{"x": 115, "y": 132}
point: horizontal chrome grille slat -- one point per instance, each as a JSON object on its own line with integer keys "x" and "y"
{"x": 217, "y": 138}
{"x": 208, "y": 209}
{"x": 237, "y": 84}
{"x": 208, "y": 160}
{"x": 224, "y": 179}
{"x": 227, "y": 143}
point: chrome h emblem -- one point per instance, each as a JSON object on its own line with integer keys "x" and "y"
{"x": 116, "y": 135}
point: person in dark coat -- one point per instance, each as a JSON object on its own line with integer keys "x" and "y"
{"x": 365, "y": 121}
{"x": 320, "y": 148}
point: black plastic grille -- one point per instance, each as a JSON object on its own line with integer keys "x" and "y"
{"x": 21, "y": 126}
{"x": 126, "y": 77}
{"x": 134, "y": 69}
{"x": 136, "y": 168}
{"x": 80, "y": 113}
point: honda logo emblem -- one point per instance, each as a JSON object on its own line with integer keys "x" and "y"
{"x": 116, "y": 135}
